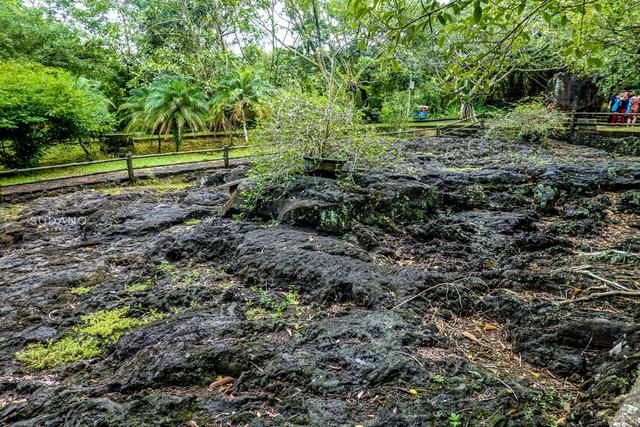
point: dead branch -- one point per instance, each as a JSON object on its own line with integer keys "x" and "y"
{"x": 602, "y": 279}
{"x": 602, "y": 295}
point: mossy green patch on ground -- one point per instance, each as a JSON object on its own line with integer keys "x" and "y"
{"x": 111, "y": 324}
{"x": 80, "y": 290}
{"x": 192, "y": 221}
{"x": 10, "y": 212}
{"x": 66, "y": 350}
{"x": 138, "y": 287}
{"x": 86, "y": 340}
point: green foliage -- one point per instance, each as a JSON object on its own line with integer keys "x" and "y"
{"x": 439, "y": 379}
{"x": 86, "y": 340}
{"x": 31, "y": 34}
{"x": 395, "y": 109}
{"x": 39, "y": 105}
{"x": 528, "y": 122}
{"x": 240, "y": 99}
{"x": 455, "y": 420}
{"x": 299, "y": 125}
{"x": 166, "y": 106}
{"x": 268, "y": 307}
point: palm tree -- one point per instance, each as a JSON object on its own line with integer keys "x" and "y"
{"x": 241, "y": 98}
{"x": 173, "y": 105}
{"x": 166, "y": 106}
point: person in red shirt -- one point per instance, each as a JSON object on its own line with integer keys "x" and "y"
{"x": 633, "y": 110}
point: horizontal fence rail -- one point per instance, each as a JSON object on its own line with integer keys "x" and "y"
{"x": 583, "y": 122}
{"x": 128, "y": 164}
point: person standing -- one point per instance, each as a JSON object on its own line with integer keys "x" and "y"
{"x": 633, "y": 109}
{"x": 619, "y": 108}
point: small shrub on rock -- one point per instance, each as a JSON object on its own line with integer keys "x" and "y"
{"x": 528, "y": 122}
{"x": 303, "y": 125}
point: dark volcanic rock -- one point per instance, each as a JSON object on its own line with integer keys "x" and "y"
{"x": 398, "y": 298}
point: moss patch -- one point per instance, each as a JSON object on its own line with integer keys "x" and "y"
{"x": 66, "y": 350}
{"x": 80, "y": 290}
{"x": 138, "y": 287}
{"x": 86, "y": 340}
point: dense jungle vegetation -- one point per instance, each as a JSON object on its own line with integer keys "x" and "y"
{"x": 73, "y": 69}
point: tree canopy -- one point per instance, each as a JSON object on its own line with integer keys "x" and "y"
{"x": 41, "y": 104}
{"x": 374, "y": 54}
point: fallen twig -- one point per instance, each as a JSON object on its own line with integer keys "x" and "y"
{"x": 509, "y": 387}
{"x": 602, "y": 295}
{"x": 610, "y": 282}
{"x": 413, "y": 357}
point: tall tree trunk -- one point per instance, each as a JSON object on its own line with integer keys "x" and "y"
{"x": 177, "y": 138}
{"x": 244, "y": 128}
{"x": 466, "y": 110}
{"x": 86, "y": 151}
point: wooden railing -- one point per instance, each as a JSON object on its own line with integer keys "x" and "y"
{"x": 128, "y": 161}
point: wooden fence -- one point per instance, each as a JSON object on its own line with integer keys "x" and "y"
{"x": 128, "y": 163}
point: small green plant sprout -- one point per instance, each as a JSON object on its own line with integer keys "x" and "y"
{"x": 194, "y": 304}
{"x": 439, "y": 379}
{"x": 80, "y": 290}
{"x": 268, "y": 304}
{"x": 192, "y": 221}
{"x": 455, "y": 420}
{"x": 138, "y": 287}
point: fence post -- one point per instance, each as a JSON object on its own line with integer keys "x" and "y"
{"x": 130, "y": 167}
{"x": 573, "y": 121}
{"x": 225, "y": 155}
{"x": 438, "y": 131}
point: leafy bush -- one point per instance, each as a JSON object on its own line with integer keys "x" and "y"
{"x": 528, "y": 122}
{"x": 299, "y": 125}
{"x": 395, "y": 110}
{"x": 39, "y": 105}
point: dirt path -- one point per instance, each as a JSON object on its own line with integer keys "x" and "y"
{"x": 11, "y": 191}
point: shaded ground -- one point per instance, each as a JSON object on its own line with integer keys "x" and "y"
{"x": 461, "y": 288}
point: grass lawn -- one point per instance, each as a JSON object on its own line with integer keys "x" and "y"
{"x": 118, "y": 165}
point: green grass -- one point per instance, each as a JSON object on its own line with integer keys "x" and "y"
{"x": 118, "y": 165}
{"x": 161, "y": 186}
